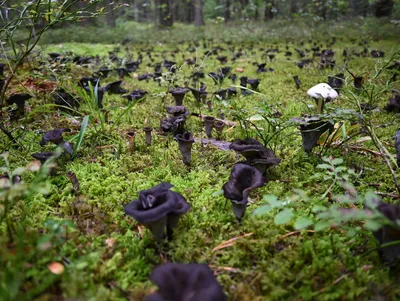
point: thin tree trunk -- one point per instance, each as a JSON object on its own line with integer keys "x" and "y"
{"x": 227, "y": 12}
{"x": 198, "y": 13}
{"x": 111, "y": 14}
{"x": 384, "y": 8}
{"x": 164, "y": 8}
{"x": 269, "y": 14}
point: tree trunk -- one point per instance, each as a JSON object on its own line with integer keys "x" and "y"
{"x": 136, "y": 11}
{"x": 198, "y": 13}
{"x": 269, "y": 14}
{"x": 165, "y": 13}
{"x": 227, "y": 12}
{"x": 384, "y": 8}
{"x": 293, "y": 7}
{"x": 111, "y": 14}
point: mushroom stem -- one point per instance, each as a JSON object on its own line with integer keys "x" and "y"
{"x": 320, "y": 105}
{"x": 131, "y": 140}
{"x": 75, "y": 183}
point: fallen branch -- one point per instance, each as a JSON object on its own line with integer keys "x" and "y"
{"x": 294, "y": 233}
{"x": 230, "y": 242}
{"x": 389, "y": 195}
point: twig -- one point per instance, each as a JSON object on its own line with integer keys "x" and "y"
{"x": 294, "y": 233}
{"x": 389, "y": 195}
{"x": 230, "y": 242}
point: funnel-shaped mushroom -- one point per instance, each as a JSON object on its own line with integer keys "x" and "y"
{"x": 104, "y": 72}
{"x": 158, "y": 209}
{"x": 1, "y": 70}
{"x": 179, "y": 94}
{"x": 185, "y": 142}
{"x": 218, "y": 78}
{"x": 55, "y": 136}
{"x": 209, "y": 124}
{"x": 84, "y": 82}
{"x": 98, "y": 94}
{"x": 311, "y": 128}
{"x": 261, "y": 68}
{"x": 148, "y": 131}
{"x": 43, "y": 157}
{"x": 389, "y": 233}
{"x": 242, "y": 180}
{"x": 253, "y": 83}
{"x": 135, "y": 95}
{"x": 185, "y": 282}
{"x": 177, "y": 110}
{"x": 336, "y": 82}
{"x": 394, "y": 103}
{"x": 231, "y": 92}
{"x": 122, "y": 72}
{"x": 257, "y": 155}
{"x": 297, "y": 81}
{"x": 65, "y": 100}
{"x": 19, "y": 101}
{"x": 174, "y": 125}
{"x": 200, "y": 94}
{"x": 397, "y": 146}
{"x": 115, "y": 88}
{"x": 321, "y": 93}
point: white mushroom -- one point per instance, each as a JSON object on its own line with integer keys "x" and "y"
{"x": 322, "y": 91}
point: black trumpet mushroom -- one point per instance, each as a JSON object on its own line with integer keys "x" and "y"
{"x": 104, "y": 72}
{"x": 394, "y": 103}
{"x": 185, "y": 142}
{"x": 243, "y": 179}
{"x": 185, "y": 282}
{"x": 43, "y": 157}
{"x": 336, "y": 82}
{"x": 253, "y": 83}
{"x": 311, "y": 129}
{"x": 159, "y": 209}
{"x": 200, "y": 94}
{"x": 177, "y": 110}
{"x": 225, "y": 71}
{"x": 135, "y": 95}
{"x": 65, "y": 100}
{"x": 86, "y": 81}
{"x": 256, "y": 153}
{"x": 1, "y": 70}
{"x": 397, "y": 146}
{"x": 243, "y": 83}
{"x": 218, "y": 78}
{"x": 115, "y": 88}
{"x": 174, "y": 125}
{"x": 19, "y": 100}
{"x": 179, "y": 94}
{"x": 209, "y": 124}
{"x": 297, "y": 81}
{"x": 56, "y": 137}
{"x": 389, "y": 233}
{"x": 98, "y": 93}
{"x": 377, "y": 53}
{"x": 122, "y": 72}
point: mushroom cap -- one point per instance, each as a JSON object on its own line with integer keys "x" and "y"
{"x": 54, "y": 136}
{"x": 156, "y": 203}
{"x": 189, "y": 282}
{"x": 242, "y": 180}
{"x": 322, "y": 91}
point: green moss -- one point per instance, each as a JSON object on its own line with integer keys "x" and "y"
{"x": 263, "y": 266}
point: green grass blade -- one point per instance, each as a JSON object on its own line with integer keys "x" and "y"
{"x": 82, "y": 132}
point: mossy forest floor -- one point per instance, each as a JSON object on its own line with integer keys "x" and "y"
{"x": 108, "y": 256}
